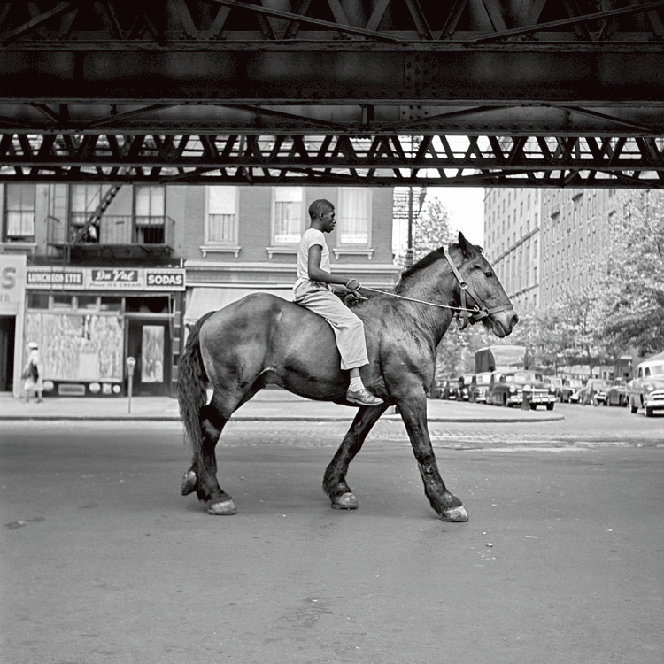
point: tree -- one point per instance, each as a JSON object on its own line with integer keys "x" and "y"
{"x": 431, "y": 229}
{"x": 635, "y": 275}
{"x": 578, "y": 317}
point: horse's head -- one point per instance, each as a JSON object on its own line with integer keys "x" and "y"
{"x": 485, "y": 291}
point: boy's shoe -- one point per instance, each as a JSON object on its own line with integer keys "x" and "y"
{"x": 362, "y": 397}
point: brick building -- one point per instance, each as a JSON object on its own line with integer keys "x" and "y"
{"x": 102, "y": 273}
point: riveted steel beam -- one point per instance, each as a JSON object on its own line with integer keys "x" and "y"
{"x": 342, "y": 158}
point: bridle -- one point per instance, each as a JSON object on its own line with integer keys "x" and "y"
{"x": 478, "y": 312}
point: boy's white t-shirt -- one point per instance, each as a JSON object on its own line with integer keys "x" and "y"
{"x": 311, "y": 237}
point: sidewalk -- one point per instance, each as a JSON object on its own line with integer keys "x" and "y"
{"x": 268, "y": 405}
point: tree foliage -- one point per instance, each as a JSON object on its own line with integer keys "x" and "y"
{"x": 431, "y": 228}
{"x": 635, "y": 275}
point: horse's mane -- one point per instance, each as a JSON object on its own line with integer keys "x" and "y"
{"x": 429, "y": 259}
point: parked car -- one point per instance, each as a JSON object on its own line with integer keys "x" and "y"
{"x": 508, "y": 387}
{"x": 594, "y": 392}
{"x": 616, "y": 395}
{"x": 646, "y": 389}
{"x": 571, "y": 390}
{"x": 556, "y": 382}
{"x": 465, "y": 381}
{"x": 480, "y": 388}
{"x": 447, "y": 388}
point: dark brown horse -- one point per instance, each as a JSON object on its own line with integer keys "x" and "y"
{"x": 264, "y": 339}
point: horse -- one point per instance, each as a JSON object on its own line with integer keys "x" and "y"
{"x": 263, "y": 339}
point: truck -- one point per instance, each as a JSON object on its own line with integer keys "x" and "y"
{"x": 501, "y": 357}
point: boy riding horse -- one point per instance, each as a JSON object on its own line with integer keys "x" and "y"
{"x": 312, "y": 290}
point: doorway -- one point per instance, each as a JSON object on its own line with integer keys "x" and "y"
{"x": 149, "y": 342}
{"x": 7, "y": 340}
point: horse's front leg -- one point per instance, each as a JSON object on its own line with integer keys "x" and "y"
{"x": 414, "y": 414}
{"x": 334, "y": 481}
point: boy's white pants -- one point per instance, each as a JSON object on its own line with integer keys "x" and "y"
{"x": 348, "y": 328}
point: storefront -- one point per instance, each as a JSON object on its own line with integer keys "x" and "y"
{"x": 88, "y": 321}
{"x": 12, "y": 316}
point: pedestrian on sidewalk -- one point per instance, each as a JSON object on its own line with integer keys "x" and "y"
{"x": 33, "y": 373}
{"x": 313, "y": 290}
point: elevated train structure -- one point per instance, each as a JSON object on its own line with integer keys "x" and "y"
{"x": 483, "y": 93}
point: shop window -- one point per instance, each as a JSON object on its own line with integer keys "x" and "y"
{"x": 88, "y": 302}
{"x": 150, "y": 214}
{"x": 111, "y": 304}
{"x": 38, "y": 301}
{"x": 288, "y": 215}
{"x": 221, "y": 215}
{"x": 20, "y": 213}
{"x": 63, "y": 302}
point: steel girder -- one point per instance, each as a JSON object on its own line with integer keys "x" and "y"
{"x": 577, "y": 73}
{"x": 324, "y": 159}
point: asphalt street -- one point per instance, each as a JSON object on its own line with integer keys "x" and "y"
{"x": 104, "y": 561}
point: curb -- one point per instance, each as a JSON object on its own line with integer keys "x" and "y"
{"x": 262, "y": 418}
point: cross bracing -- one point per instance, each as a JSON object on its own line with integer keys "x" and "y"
{"x": 336, "y": 158}
{"x": 582, "y": 77}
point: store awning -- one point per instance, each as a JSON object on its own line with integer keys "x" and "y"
{"x": 203, "y": 300}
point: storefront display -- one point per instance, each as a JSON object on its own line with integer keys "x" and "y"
{"x": 87, "y": 321}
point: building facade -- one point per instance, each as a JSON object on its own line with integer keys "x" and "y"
{"x": 541, "y": 241}
{"x": 544, "y": 243}
{"x": 97, "y": 275}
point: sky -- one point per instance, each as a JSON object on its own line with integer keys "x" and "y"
{"x": 465, "y": 207}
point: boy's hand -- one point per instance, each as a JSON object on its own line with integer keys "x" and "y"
{"x": 353, "y": 297}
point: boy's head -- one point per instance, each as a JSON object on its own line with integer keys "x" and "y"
{"x": 322, "y": 215}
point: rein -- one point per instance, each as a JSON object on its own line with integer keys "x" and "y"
{"x": 477, "y": 313}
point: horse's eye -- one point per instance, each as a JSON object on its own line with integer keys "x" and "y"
{"x": 488, "y": 274}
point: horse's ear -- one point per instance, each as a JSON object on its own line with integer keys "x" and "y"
{"x": 466, "y": 247}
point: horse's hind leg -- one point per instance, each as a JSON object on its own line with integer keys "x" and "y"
{"x": 334, "y": 481}
{"x": 202, "y": 474}
{"x": 208, "y": 489}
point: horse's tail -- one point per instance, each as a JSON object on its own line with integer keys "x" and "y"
{"x": 192, "y": 395}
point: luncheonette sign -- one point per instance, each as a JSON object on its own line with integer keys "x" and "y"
{"x": 105, "y": 278}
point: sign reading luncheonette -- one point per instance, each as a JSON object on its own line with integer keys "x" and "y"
{"x": 105, "y": 278}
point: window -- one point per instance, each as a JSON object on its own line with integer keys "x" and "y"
{"x": 38, "y": 301}
{"x": 85, "y": 199}
{"x": 86, "y": 302}
{"x": 221, "y": 227}
{"x": 288, "y": 214}
{"x": 150, "y": 206}
{"x": 150, "y": 214}
{"x": 20, "y": 213}
{"x": 353, "y": 216}
{"x": 63, "y": 302}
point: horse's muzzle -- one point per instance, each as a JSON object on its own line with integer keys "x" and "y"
{"x": 503, "y": 322}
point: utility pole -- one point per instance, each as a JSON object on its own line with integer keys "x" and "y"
{"x": 408, "y": 261}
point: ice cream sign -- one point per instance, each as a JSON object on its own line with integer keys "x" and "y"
{"x": 123, "y": 278}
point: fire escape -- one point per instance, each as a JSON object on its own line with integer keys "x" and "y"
{"x": 98, "y": 237}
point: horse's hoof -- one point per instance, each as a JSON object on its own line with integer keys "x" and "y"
{"x": 457, "y": 514}
{"x": 346, "y": 501}
{"x": 223, "y": 508}
{"x": 189, "y": 483}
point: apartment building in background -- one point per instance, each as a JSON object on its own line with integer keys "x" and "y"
{"x": 97, "y": 274}
{"x": 540, "y": 241}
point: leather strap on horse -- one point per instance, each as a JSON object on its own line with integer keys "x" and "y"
{"x": 477, "y": 313}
